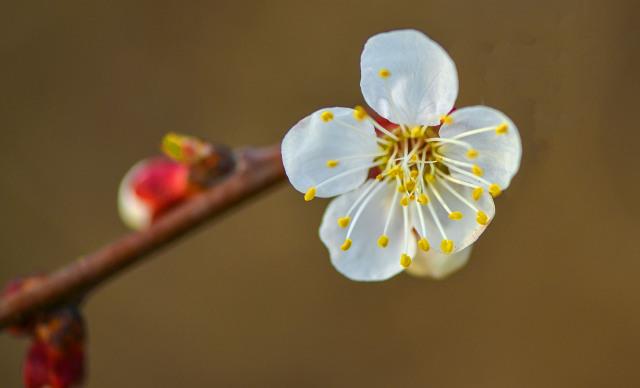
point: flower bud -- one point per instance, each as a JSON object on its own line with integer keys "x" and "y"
{"x": 56, "y": 356}
{"x": 149, "y": 188}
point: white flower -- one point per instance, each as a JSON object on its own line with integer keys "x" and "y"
{"x": 437, "y": 172}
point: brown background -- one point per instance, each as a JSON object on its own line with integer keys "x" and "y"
{"x": 550, "y": 297}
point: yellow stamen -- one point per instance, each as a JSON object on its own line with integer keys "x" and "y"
{"x": 455, "y": 216}
{"x": 446, "y": 119}
{"x": 383, "y": 241}
{"x": 384, "y": 73}
{"x": 476, "y": 193}
{"x": 424, "y": 244}
{"x": 359, "y": 113}
{"x": 502, "y": 129}
{"x": 379, "y": 177}
{"x": 414, "y": 173}
{"x": 446, "y": 246}
{"x": 482, "y": 217}
{"x": 346, "y": 245}
{"x": 310, "y": 194}
{"x": 405, "y": 260}
{"x": 326, "y": 116}
{"x": 401, "y": 189}
{"x": 416, "y": 132}
{"x": 476, "y": 170}
{"x": 430, "y": 178}
{"x": 423, "y": 199}
{"x": 404, "y": 201}
{"x": 332, "y": 163}
{"x": 472, "y": 153}
{"x": 410, "y": 185}
{"x": 494, "y": 190}
{"x": 343, "y": 222}
{"x": 394, "y": 171}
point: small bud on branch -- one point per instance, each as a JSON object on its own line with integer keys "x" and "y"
{"x": 255, "y": 171}
{"x": 56, "y": 355}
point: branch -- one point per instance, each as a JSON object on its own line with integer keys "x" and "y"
{"x": 257, "y": 170}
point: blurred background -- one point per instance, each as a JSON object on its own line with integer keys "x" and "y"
{"x": 549, "y": 299}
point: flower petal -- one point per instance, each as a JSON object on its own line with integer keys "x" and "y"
{"x": 438, "y": 265}
{"x": 408, "y": 78}
{"x": 462, "y": 232}
{"x": 330, "y": 134}
{"x": 499, "y": 152}
{"x": 365, "y": 260}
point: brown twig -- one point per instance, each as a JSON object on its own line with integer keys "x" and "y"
{"x": 257, "y": 170}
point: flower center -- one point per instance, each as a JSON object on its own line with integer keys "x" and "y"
{"x": 408, "y": 158}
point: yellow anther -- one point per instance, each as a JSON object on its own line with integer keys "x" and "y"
{"x": 472, "y": 153}
{"x": 430, "y": 178}
{"x": 502, "y": 129}
{"x": 326, "y": 116}
{"x": 446, "y": 246}
{"x": 346, "y": 245}
{"x": 343, "y": 222}
{"x": 476, "y": 193}
{"x": 412, "y": 197}
{"x": 401, "y": 189}
{"x": 405, "y": 260}
{"x": 410, "y": 185}
{"x": 404, "y": 201}
{"x": 482, "y": 217}
{"x": 423, "y": 199}
{"x": 379, "y": 177}
{"x": 424, "y": 244}
{"x": 359, "y": 113}
{"x": 383, "y": 241}
{"x": 494, "y": 190}
{"x": 455, "y": 216}
{"x": 414, "y": 158}
{"x": 384, "y": 73}
{"x": 416, "y": 131}
{"x": 310, "y": 194}
{"x": 332, "y": 163}
{"x": 476, "y": 170}
{"x": 446, "y": 119}
{"x": 414, "y": 174}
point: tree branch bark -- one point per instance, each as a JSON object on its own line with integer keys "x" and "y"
{"x": 256, "y": 171}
